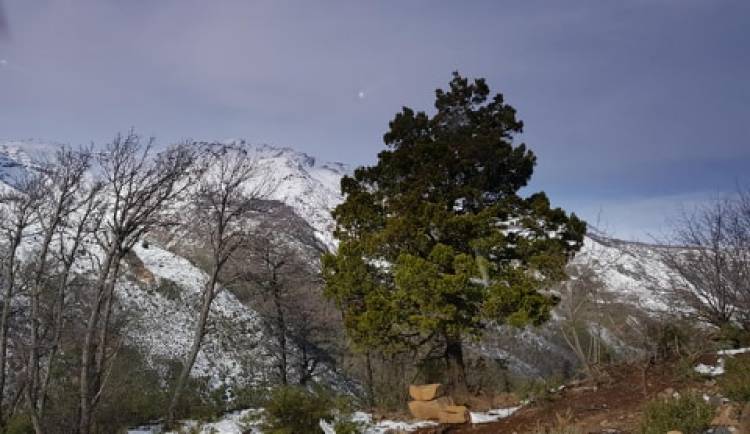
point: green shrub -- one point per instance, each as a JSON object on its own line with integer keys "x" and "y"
{"x": 344, "y": 408}
{"x": 134, "y": 394}
{"x": 19, "y": 424}
{"x": 349, "y": 427}
{"x": 169, "y": 289}
{"x": 735, "y": 383}
{"x": 734, "y": 336}
{"x": 684, "y": 369}
{"x": 247, "y": 397}
{"x": 536, "y": 389}
{"x": 689, "y": 414}
{"x": 293, "y": 410}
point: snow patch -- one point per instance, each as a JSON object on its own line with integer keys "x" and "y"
{"x": 492, "y": 415}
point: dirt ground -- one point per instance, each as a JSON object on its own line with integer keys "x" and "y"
{"x": 612, "y": 407}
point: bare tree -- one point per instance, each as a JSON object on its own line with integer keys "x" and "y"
{"x": 313, "y": 325}
{"x": 141, "y": 188}
{"x": 279, "y": 263}
{"x": 19, "y": 206}
{"x": 274, "y": 262}
{"x": 741, "y": 248}
{"x": 712, "y": 265}
{"x": 579, "y": 315}
{"x": 584, "y": 304}
{"x": 71, "y": 241}
{"x": 223, "y": 199}
{"x": 62, "y": 190}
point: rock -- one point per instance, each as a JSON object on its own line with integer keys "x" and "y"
{"x": 454, "y": 414}
{"x": 426, "y": 392}
{"x": 429, "y": 410}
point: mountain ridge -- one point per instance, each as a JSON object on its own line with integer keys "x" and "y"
{"x": 631, "y": 272}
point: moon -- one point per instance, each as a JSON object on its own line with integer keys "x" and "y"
{"x": 361, "y": 94}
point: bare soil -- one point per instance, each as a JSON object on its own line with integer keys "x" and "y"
{"x": 613, "y": 406}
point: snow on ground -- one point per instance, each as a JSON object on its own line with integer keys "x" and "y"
{"x": 233, "y": 423}
{"x": 492, "y": 415}
{"x": 711, "y": 370}
{"x": 239, "y": 422}
{"x": 718, "y": 368}
{"x": 733, "y": 352}
{"x": 234, "y": 338}
{"x": 634, "y": 273}
{"x": 310, "y": 187}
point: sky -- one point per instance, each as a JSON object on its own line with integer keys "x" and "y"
{"x": 635, "y": 109}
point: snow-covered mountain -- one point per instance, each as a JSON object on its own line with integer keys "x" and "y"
{"x": 310, "y": 187}
{"x": 162, "y": 289}
{"x": 166, "y": 285}
{"x": 298, "y": 180}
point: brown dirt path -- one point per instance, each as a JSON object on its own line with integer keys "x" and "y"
{"x": 612, "y": 407}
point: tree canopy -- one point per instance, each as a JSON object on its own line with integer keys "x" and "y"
{"x": 435, "y": 240}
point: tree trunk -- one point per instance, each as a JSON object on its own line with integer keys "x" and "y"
{"x": 7, "y": 298}
{"x": 200, "y": 331}
{"x": 281, "y": 332}
{"x": 58, "y": 323}
{"x": 454, "y": 358}
{"x": 5, "y": 319}
{"x": 32, "y": 391}
{"x": 101, "y": 347}
{"x": 87, "y": 353}
{"x": 370, "y": 382}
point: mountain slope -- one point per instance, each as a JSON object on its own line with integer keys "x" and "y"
{"x": 159, "y": 289}
{"x": 162, "y": 287}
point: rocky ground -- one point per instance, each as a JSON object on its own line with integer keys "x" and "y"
{"x": 613, "y": 406}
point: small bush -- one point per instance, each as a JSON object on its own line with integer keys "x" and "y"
{"x": 344, "y": 408}
{"x": 19, "y": 424}
{"x": 734, "y": 336}
{"x": 689, "y": 414}
{"x": 735, "y": 383}
{"x": 349, "y": 427}
{"x": 169, "y": 289}
{"x": 293, "y": 410}
{"x": 538, "y": 389}
{"x": 685, "y": 368}
{"x": 247, "y": 397}
{"x": 564, "y": 424}
{"x": 133, "y": 395}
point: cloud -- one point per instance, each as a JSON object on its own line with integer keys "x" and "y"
{"x": 619, "y": 99}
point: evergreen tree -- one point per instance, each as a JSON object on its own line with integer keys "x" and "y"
{"x": 435, "y": 242}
